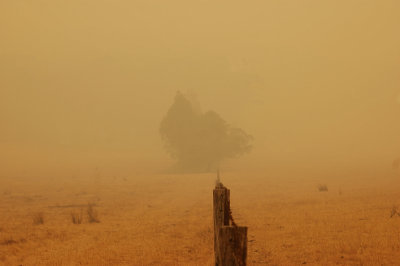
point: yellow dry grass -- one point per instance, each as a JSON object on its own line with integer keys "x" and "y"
{"x": 167, "y": 220}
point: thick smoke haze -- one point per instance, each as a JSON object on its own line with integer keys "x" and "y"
{"x": 85, "y": 84}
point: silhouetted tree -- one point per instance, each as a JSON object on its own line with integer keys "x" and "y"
{"x": 200, "y": 141}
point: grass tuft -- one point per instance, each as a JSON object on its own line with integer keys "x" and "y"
{"x": 394, "y": 211}
{"x": 76, "y": 217}
{"x": 8, "y": 241}
{"x": 38, "y": 218}
{"x": 322, "y": 188}
{"x": 93, "y": 216}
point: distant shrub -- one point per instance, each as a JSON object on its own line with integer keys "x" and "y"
{"x": 92, "y": 214}
{"x": 38, "y": 218}
{"x": 76, "y": 217}
{"x": 322, "y": 188}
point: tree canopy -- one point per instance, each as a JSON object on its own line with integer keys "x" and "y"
{"x": 200, "y": 141}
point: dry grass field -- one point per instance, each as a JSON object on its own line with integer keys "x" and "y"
{"x": 167, "y": 220}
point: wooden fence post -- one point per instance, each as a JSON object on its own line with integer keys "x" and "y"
{"x": 230, "y": 240}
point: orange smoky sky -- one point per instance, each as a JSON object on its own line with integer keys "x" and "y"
{"x": 85, "y": 84}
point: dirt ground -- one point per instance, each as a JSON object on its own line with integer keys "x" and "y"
{"x": 167, "y": 220}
